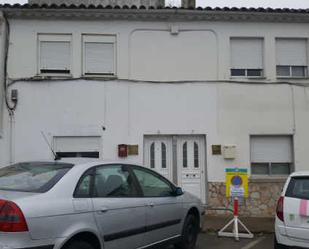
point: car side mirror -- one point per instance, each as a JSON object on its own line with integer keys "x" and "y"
{"x": 178, "y": 191}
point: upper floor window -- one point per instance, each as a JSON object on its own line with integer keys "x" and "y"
{"x": 246, "y": 57}
{"x": 54, "y": 54}
{"x": 271, "y": 155}
{"x": 291, "y": 57}
{"x": 99, "y": 54}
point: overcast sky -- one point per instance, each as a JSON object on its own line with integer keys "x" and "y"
{"x": 230, "y": 3}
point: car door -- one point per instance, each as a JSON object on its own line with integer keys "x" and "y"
{"x": 119, "y": 209}
{"x": 164, "y": 212}
{"x": 296, "y": 208}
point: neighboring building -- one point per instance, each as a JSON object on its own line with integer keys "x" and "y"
{"x": 173, "y": 83}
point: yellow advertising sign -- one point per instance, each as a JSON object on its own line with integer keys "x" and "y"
{"x": 236, "y": 182}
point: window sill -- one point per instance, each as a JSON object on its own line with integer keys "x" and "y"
{"x": 267, "y": 179}
{"x": 292, "y": 78}
{"x": 248, "y": 78}
{"x": 53, "y": 76}
{"x": 99, "y": 76}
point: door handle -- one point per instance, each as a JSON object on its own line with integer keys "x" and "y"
{"x": 151, "y": 205}
{"x": 103, "y": 209}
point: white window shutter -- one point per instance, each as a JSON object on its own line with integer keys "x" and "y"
{"x": 99, "y": 58}
{"x": 77, "y": 144}
{"x": 247, "y": 53}
{"x": 55, "y": 55}
{"x": 271, "y": 149}
{"x": 291, "y": 52}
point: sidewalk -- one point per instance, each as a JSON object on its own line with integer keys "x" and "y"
{"x": 254, "y": 224}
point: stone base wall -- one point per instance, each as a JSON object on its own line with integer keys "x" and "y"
{"x": 262, "y": 201}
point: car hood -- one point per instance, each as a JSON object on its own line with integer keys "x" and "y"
{"x": 14, "y": 195}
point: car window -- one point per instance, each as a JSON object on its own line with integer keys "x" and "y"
{"x": 298, "y": 188}
{"x": 32, "y": 176}
{"x": 83, "y": 189}
{"x": 152, "y": 185}
{"x": 114, "y": 181}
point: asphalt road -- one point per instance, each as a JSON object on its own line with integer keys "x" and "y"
{"x": 212, "y": 241}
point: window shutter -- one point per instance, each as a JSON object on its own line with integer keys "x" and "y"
{"x": 55, "y": 55}
{"x": 99, "y": 58}
{"x": 77, "y": 144}
{"x": 247, "y": 53}
{"x": 271, "y": 149}
{"x": 291, "y": 52}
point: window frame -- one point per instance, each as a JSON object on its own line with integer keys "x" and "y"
{"x": 99, "y": 38}
{"x": 269, "y": 164}
{"x": 246, "y": 73}
{"x": 155, "y": 174}
{"x": 54, "y": 37}
{"x": 291, "y": 72}
{"x": 261, "y": 69}
{"x": 93, "y": 169}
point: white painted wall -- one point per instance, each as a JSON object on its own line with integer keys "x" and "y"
{"x": 148, "y": 51}
{"x": 227, "y": 113}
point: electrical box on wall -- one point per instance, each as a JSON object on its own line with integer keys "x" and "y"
{"x": 229, "y": 151}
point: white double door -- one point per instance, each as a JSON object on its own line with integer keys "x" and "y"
{"x": 181, "y": 159}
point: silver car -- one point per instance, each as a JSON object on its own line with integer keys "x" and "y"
{"x": 108, "y": 205}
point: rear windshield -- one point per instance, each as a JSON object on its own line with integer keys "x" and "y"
{"x": 32, "y": 176}
{"x": 298, "y": 188}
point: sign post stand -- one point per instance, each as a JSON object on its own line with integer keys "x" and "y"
{"x": 236, "y": 224}
{"x": 236, "y": 187}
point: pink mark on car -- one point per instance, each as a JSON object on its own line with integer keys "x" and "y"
{"x": 303, "y": 208}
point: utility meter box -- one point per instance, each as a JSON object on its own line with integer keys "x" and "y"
{"x": 229, "y": 151}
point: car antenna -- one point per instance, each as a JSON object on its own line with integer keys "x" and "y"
{"x": 56, "y": 157}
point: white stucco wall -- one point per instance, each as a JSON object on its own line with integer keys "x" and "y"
{"x": 225, "y": 113}
{"x": 210, "y": 104}
{"x": 148, "y": 51}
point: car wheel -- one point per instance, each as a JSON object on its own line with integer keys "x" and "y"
{"x": 79, "y": 244}
{"x": 279, "y": 246}
{"x": 189, "y": 233}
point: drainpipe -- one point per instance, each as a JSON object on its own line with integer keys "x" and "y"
{"x": 188, "y": 4}
{"x": 11, "y": 108}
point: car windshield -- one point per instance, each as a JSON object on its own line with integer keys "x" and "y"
{"x": 32, "y": 176}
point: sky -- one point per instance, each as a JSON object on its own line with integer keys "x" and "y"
{"x": 298, "y": 4}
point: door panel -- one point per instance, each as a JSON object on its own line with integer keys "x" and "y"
{"x": 164, "y": 212}
{"x": 191, "y": 165}
{"x": 190, "y": 151}
{"x": 296, "y": 208}
{"x": 158, "y": 155}
{"x": 119, "y": 209}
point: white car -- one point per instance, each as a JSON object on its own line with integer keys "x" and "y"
{"x": 110, "y": 205}
{"x": 292, "y": 214}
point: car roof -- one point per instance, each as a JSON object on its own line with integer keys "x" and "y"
{"x": 300, "y": 173}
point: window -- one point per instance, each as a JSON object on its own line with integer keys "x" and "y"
{"x": 54, "y": 54}
{"x": 77, "y": 146}
{"x": 271, "y": 155}
{"x": 35, "y": 177}
{"x": 196, "y": 155}
{"x": 152, "y": 156}
{"x": 99, "y": 55}
{"x": 246, "y": 57}
{"x": 83, "y": 189}
{"x": 152, "y": 185}
{"x": 185, "y": 155}
{"x": 298, "y": 188}
{"x": 163, "y": 155}
{"x": 114, "y": 181}
{"x": 291, "y": 57}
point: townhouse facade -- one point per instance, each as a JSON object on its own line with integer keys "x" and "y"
{"x": 185, "y": 91}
